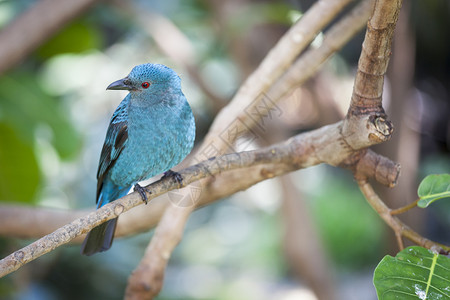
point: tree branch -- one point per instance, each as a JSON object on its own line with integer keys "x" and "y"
{"x": 278, "y": 60}
{"x": 242, "y": 114}
{"x": 400, "y": 229}
{"x": 374, "y": 59}
{"x": 323, "y": 145}
{"x": 367, "y": 100}
{"x": 310, "y": 61}
{"x": 405, "y": 208}
{"x": 34, "y": 222}
{"x": 301, "y": 151}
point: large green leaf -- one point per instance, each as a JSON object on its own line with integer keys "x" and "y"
{"x": 432, "y": 188}
{"x": 414, "y": 273}
{"x": 19, "y": 172}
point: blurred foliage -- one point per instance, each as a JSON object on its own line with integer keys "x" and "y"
{"x": 260, "y": 13}
{"x": 65, "y": 276}
{"x": 351, "y": 230}
{"x": 26, "y": 107}
{"x": 28, "y": 114}
{"x": 77, "y": 37}
{"x": 431, "y": 23}
{"x": 225, "y": 245}
{"x": 19, "y": 174}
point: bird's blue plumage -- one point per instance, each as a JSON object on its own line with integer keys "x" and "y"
{"x": 151, "y": 131}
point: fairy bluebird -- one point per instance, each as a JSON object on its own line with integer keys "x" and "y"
{"x": 151, "y": 131}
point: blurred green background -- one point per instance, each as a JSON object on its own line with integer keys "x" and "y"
{"x": 54, "y": 112}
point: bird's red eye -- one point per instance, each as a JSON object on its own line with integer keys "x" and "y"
{"x": 145, "y": 85}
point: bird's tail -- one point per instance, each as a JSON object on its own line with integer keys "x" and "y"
{"x": 100, "y": 238}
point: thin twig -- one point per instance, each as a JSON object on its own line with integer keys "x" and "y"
{"x": 400, "y": 229}
{"x": 404, "y": 209}
{"x": 400, "y": 243}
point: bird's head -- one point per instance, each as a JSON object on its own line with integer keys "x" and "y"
{"x": 147, "y": 77}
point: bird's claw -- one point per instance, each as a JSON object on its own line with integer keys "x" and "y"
{"x": 174, "y": 175}
{"x": 142, "y": 191}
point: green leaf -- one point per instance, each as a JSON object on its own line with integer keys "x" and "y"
{"x": 432, "y": 188}
{"x": 19, "y": 171}
{"x": 414, "y": 273}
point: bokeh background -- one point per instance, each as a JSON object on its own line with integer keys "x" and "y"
{"x": 256, "y": 244}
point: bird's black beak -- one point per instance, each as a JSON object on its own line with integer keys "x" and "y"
{"x": 121, "y": 84}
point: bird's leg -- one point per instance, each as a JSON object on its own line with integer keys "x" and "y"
{"x": 141, "y": 190}
{"x": 174, "y": 175}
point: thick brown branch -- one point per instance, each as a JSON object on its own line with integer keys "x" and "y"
{"x": 374, "y": 59}
{"x": 372, "y": 165}
{"x": 366, "y": 103}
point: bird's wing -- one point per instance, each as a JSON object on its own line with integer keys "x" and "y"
{"x": 115, "y": 142}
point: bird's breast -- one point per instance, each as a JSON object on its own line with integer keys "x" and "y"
{"x": 158, "y": 139}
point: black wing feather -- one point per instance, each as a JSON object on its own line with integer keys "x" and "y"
{"x": 115, "y": 142}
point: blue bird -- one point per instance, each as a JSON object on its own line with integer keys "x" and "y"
{"x": 151, "y": 131}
